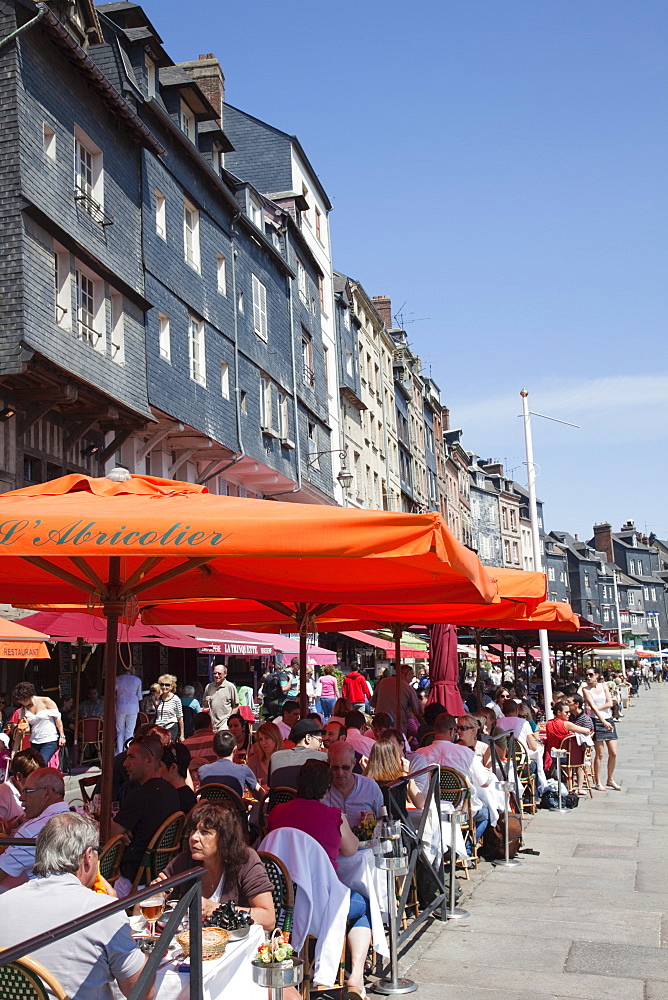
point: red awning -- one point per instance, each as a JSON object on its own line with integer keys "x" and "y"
{"x": 373, "y": 640}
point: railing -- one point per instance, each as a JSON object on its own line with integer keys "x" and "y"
{"x": 417, "y": 849}
{"x": 191, "y": 901}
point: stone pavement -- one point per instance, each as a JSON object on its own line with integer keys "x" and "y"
{"x": 585, "y": 920}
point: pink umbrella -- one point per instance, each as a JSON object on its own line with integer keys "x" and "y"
{"x": 444, "y": 669}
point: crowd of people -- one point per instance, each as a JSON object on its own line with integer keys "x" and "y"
{"x": 339, "y": 762}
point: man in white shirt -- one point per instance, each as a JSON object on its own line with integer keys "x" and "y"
{"x": 352, "y": 793}
{"x": 288, "y": 718}
{"x": 355, "y": 729}
{"x": 42, "y": 797}
{"x": 445, "y": 752}
{"x": 220, "y": 697}
{"x": 511, "y": 723}
{"x": 128, "y": 696}
{"x": 88, "y": 962}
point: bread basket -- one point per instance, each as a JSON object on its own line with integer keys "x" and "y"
{"x": 214, "y": 941}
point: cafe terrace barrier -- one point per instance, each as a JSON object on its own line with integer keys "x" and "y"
{"x": 417, "y": 850}
{"x": 190, "y": 901}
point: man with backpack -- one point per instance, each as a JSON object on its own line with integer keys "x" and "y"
{"x": 275, "y": 691}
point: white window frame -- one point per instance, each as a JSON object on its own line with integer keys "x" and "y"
{"x": 196, "y": 349}
{"x": 255, "y": 212}
{"x": 188, "y": 122}
{"x": 63, "y": 287}
{"x": 191, "y": 248}
{"x": 164, "y": 337}
{"x": 301, "y": 281}
{"x": 240, "y": 303}
{"x": 117, "y": 339}
{"x": 266, "y": 403}
{"x": 150, "y": 77}
{"x": 88, "y": 171}
{"x": 260, "y": 325}
{"x": 49, "y": 141}
{"x": 221, "y": 273}
{"x": 224, "y": 379}
{"x": 312, "y": 445}
{"x": 346, "y": 319}
{"x": 91, "y": 324}
{"x": 631, "y": 599}
{"x": 160, "y": 214}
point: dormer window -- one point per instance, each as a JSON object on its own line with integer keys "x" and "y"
{"x": 150, "y": 78}
{"x": 188, "y": 126}
{"x": 255, "y": 211}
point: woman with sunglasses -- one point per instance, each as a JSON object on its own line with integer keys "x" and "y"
{"x": 599, "y": 701}
{"x": 467, "y": 735}
{"x": 169, "y": 713}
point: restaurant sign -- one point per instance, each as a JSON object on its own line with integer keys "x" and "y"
{"x": 236, "y": 649}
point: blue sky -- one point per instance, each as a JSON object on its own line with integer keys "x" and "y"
{"x": 499, "y": 166}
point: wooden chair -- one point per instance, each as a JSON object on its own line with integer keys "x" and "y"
{"x": 282, "y": 890}
{"x": 89, "y": 734}
{"x": 89, "y": 781}
{"x": 524, "y": 775}
{"x": 110, "y": 858}
{"x": 455, "y": 788}
{"x": 570, "y": 767}
{"x": 164, "y": 845}
{"x": 26, "y": 979}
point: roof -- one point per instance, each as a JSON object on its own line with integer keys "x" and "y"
{"x": 298, "y": 146}
{"x": 132, "y": 15}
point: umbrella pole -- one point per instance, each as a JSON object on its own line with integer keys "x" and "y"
{"x": 303, "y": 621}
{"x": 515, "y": 648}
{"x": 112, "y": 610}
{"x": 397, "y": 632}
{"x": 478, "y": 684}
{"x": 77, "y": 702}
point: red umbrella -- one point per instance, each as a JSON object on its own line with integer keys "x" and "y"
{"x": 444, "y": 669}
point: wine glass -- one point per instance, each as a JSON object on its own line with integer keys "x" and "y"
{"x": 151, "y": 909}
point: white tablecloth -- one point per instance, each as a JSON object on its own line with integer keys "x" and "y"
{"x": 359, "y": 872}
{"x": 230, "y": 975}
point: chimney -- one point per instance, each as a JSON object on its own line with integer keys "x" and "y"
{"x": 208, "y": 75}
{"x": 603, "y": 540}
{"x": 383, "y": 304}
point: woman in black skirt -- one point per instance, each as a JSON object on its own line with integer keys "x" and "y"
{"x": 599, "y": 701}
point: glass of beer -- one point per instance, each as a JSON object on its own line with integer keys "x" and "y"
{"x": 151, "y": 909}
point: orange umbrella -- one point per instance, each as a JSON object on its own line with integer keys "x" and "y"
{"x": 20, "y": 643}
{"x": 556, "y": 616}
{"x": 112, "y": 540}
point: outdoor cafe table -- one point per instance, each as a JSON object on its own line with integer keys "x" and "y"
{"x": 231, "y": 975}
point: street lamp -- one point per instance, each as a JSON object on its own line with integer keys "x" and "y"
{"x": 345, "y": 476}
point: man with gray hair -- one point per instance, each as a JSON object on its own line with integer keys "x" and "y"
{"x": 88, "y": 962}
{"x": 42, "y": 796}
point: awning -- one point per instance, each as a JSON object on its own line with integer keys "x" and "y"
{"x": 17, "y": 642}
{"x": 384, "y": 644}
{"x": 279, "y": 644}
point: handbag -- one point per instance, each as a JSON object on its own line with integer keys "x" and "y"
{"x": 494, "y": 838}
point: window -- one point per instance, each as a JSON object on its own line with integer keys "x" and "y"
{"x": 349, "y": 362}
{"x": 632, "y": 565}
{"x": 224, "y": 380}
{"x": 506, "y": 550}
{"x": 90, "y": 309}
{"x": 653, "y": 593}
{"x": 117, "y": 329}
{"x": 243, "y": 401}
{"x": 197, "y": 357}
{"x": 550, "y": 572}
{"x": 188, "y": 126}
{"x": 516, "y": 553}
{"x": 160, "y": 214}
{"x": 283, "y": 417}
{"x": 587, "y": 578}
{"x": 63, "y": 289}
{"x": 191, "y": 234}
{"x": 513, "y": 519}
{"x": 321, "y": 293}
{"x": 301, "y": 281}
{"x": 150, "y": 78}
{"x": 266, "y": 404}
{"x": 88, "y": 176}
{"x": 346, "y": 319}
{"x": 606, "y": 615}
{"x": 221, "y": 273}
{"x": 49, "y": 142}
{"x": 240, "y": 302}
{"x": 307, "y": 361}
{"x": 312, "y": 445}
{"x": 259, "y": 309}
{"x": 318, "y": 225}
{"x": 504, "y": 517}
{"x": 255, "y": 212}
{"x": 645, "y": 591}
{"x": 632, "y": 599}
{"x": 164, "y": 337}
{"x": 325, "y": 356}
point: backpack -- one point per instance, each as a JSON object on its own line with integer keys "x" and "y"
{"x": 493, "y": 839}
{"x": 273, "y": 692}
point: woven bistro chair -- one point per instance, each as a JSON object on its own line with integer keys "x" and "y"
{"x": 455, "y": 788}
{"x": 225, "y": 796}
{"x": 570, "y": 767}
{"x": 26, "y": 979}
{"x": 282, "y": 890}
{"x": 163, "y": 847}
{"x": 427, "y": 739}
{"x": 110, "y": 858}
{"x": 89, "y": 781}
{"x": 523, "y": 772}
{"x": 273, "y": 797}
